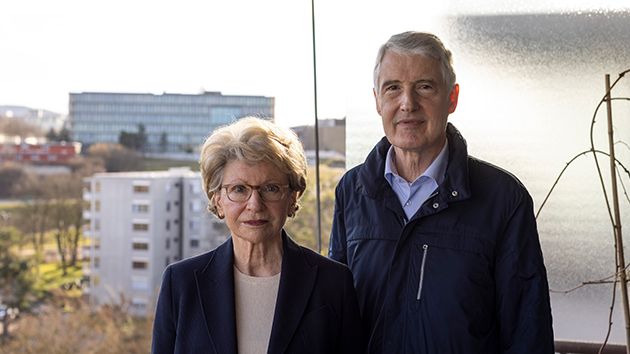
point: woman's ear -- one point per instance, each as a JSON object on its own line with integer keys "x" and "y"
{"x": 216, "y": 200}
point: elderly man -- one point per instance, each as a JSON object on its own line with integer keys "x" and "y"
{"x": 443, "y": 247}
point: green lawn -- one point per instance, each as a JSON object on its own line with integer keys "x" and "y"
{"x": 52, "y": 278}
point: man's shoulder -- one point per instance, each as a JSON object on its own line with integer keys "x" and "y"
{"x": 351, "y": 176}
{"x": 484, "y": 172}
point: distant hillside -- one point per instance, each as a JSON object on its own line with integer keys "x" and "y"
{"x": 555, "y": 39}
{"x": 41, "y": 118}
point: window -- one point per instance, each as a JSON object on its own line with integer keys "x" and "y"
{"x": 194, "y": 243}
{"x": 139, "y": 304}
{"x": 140, "y": 283}
{"x": 97, "y": 262}
{"x": 97, "y": 224}
{"x": 140, "y": 189}
{"x": 97, "y": 186}
{"x": 139, "y": 264}
{"x": 168, "y": 243}
{"x": 168, "y": 225}
{"x": 168, "y": 261}
{"x": 97, "y": 205}
{"x": 168, "y": 206}
{"x": 140, "y": 226}
{"x": 140, "y": 246}
{"x": 140, "y": 208}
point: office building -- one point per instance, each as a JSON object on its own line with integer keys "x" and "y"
{"x": 332, "y": 141}
{"x": 137, "y": 223}
{"x": 173, "y": 122}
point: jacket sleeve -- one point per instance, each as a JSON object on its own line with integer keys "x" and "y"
{"x": 353, "y": 339}
{"x": 523, "y": 307}
{"x": 337, "y": 242}
{"x": 164, "y": 324}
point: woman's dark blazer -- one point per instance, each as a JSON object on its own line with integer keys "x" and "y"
{"x": 316, "y": 309}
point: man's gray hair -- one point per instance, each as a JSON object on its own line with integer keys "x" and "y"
{"x": 418, "y": 43}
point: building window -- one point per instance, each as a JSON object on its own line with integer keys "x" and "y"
{"x": 168, "y": 206}
{"x": 140, "y": 189}
{"x": 138, "y": 304}
{"x": 140, "y": 226}
{"x": 168, "y": 243}
{"x": 168, "y": 261}
{"x": 97, "y": 262}
{"x": 97, "y": 186}
{"x": 168, "y": 225}
{"x": 194, "y": 243}
{"x": 139, "y": 264}
{"x": 97, "y": 224}
{"x": 140, "y": 246}
{"x": 140, "y": 283}
{"x": 97, "y": 205}
{"x": 140, "y": 208}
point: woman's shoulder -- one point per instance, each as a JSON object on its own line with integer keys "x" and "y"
{"x": 191, "y": 263}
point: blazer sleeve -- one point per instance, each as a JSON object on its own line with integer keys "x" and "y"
{"x": 164, "y": 324}
{"x": 523, "y": 305}
{"x": 337, "y": 243}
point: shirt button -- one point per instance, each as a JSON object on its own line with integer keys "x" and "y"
{"x": 407, "y": 204}
{"x": 454, "y": 193}
{"x": 436, "y": 205}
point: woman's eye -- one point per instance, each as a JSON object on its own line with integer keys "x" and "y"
{"x": 238, "y": 188}
{"x": 272, "y": 188}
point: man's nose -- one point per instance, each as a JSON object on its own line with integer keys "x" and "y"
{"x": 409, "y": 101}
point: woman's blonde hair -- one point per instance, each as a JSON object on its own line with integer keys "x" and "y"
{"x": 252, "y": 139}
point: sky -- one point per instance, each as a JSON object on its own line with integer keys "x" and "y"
{"x": 244, "y": 47}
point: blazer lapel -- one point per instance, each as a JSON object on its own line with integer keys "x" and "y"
{"x": 215, "y": 283}
{"x": 296, "y": 285}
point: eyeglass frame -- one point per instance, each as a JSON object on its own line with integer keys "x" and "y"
{"x": 252, "y": 188}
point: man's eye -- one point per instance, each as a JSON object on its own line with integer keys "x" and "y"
{"x": 391, "y": 88}
{"x": 271, "y": 188}
{"x": 425, "y": 88}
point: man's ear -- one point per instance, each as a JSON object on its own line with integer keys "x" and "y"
{"x": 377, "y": 101}
{"x": 453, "y": 97}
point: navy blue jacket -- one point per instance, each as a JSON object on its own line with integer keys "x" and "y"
{"x": 464, "y": 275}
{"x": 316, "y": 309}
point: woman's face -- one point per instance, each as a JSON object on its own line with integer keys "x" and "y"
{"x": 254, "y": 220}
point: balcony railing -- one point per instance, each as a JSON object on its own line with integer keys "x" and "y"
{"x": 571, "y": 347}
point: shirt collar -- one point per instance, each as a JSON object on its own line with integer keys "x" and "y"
{"x": 435, "y": 171}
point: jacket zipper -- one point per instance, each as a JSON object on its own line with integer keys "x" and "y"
{"x": 425, "y": 249}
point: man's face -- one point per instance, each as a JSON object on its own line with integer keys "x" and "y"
{"x": 414, "y": 102}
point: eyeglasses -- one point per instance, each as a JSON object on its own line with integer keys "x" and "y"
{"x": 241, "y": 192}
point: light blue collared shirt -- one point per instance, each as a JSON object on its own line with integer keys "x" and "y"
{"x": 413, "y": 195}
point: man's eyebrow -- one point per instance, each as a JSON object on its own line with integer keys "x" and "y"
{"x": 389, "y": 82}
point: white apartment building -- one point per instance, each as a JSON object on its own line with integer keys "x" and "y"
{"x": 138, "y": 223}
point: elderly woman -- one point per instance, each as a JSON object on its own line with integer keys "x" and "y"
{"x": 259, "y": 292}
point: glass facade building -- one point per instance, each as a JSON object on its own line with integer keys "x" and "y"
{"x": 173, "y": 122}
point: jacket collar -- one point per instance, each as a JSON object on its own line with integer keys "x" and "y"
{"x": 215, "y": 283}
{"x": 296, "y": 285}
{"x": 373, "y": 184}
